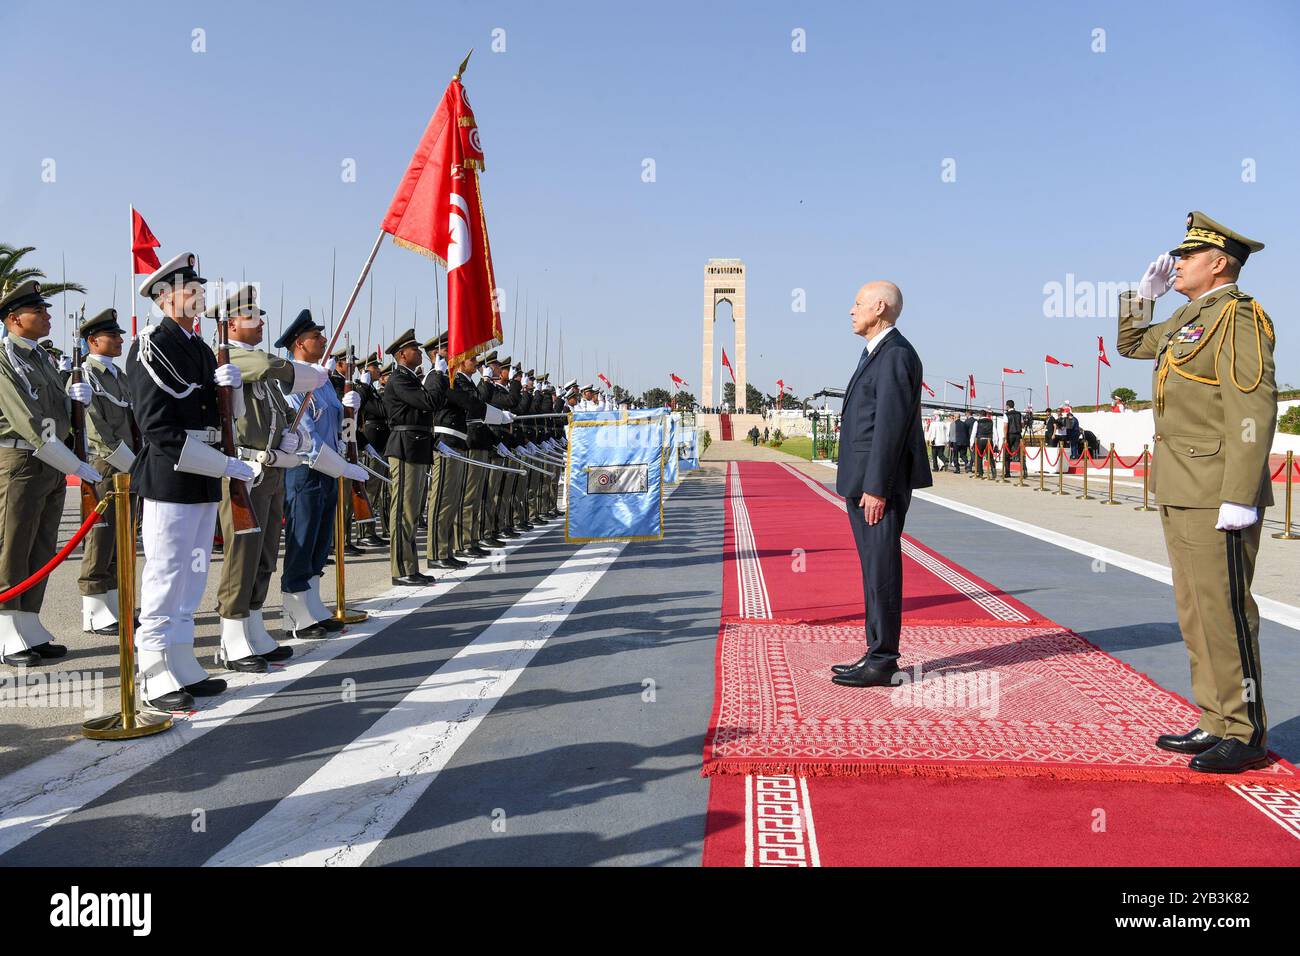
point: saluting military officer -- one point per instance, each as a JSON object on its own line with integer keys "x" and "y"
{"x": 35, "y": 420}
{"x": 112, "y": 439}
{"x": 266, "y": 439}
{"x": 446, "y": 474}
{"x": 173, "y": 379}
{"x": 1215, "y": 416}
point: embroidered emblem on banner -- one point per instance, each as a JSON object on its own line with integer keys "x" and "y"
{"x": 618, "y": 479}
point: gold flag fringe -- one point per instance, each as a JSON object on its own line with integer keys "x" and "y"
{"x": 414, "y": 247}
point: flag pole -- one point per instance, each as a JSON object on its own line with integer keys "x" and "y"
{"x": 1047, "y": 385}
{"x": 347, "y": 310}
{"x": 1099, "y": 378}
{"x": 130, "y": 276}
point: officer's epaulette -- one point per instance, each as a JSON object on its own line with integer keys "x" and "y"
{"x": 1238, "y": 294}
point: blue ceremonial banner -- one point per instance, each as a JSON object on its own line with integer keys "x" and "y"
{"x": 671, "y": 434}
{"x": 691, "y": 449}
{"x": 615, "y": 478}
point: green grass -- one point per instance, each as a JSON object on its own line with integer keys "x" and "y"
{"x": 799, "y": 446}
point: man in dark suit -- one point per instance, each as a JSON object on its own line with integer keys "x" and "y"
{"x": 882, "y": 458}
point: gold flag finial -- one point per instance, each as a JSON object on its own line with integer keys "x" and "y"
{"x": 463, "y": 63}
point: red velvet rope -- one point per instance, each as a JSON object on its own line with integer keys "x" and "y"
{"x": 54, "y": 562}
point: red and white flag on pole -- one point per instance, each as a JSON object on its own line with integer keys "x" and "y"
{"x": 1013, "y": 371}
{"x": 972, "y": 384}
{"x": 727, "y": 365}
{"x": 438, "y": 212}
{"x": 601, "y": 376}
{"x": 678, "y": 382}
{"x": 1101, "y": 352}
{"x": 143, "y": 243}
{"x": 1053, "y": 361}
{"x": 927, "y": 388}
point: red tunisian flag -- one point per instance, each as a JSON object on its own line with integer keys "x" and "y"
{"x": 972, "y": 384}
{"x": 438, "y": 212}
{"x": 601, "y": 376}
{"x": 1101, "y": 352}
{"x": 1013, "y": 371}
{"x": 727, "y": 365}
{"x": 679, "y": 382}
{"x": 1051, "y": 361}
{"x": 143, "y": 243}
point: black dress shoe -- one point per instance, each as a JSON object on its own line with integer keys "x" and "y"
{"x": 109, "y": 630}
{"x": 206, "y": 688}
{"x": 1229, "y": 756}
{"x": 493, "y": 543}
{"x": 253, "y": 664}
{"x": 474, "y": 551}
{"x": 845, "y": 668}
{"x": 451, "y": 564}
{"x": 412, "y": 580}
{"x": 281, "y": 653}
{"x": 866, "y": 677}
{"x": 526, "y": 526}
{"x": 352, "y": 551}
{"x": 313, "y": 633}
{"x": 508, "y": 533}
{"x": 374, "y": 541}
{"x": 25, "y": 658}
{"x": 332, "y": 624}
{"x": 176, "y": 700}
{"x": 1193, "y": 742}
{"x": 50, "y": 651}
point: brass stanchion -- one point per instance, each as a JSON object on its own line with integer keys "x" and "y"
{"x": 341, "y": 611}
{"x": 128, "y": 722}
{"x": 1085, "y": 496}
{"x": 1042, "y": 467}
{"x": 1023, "y": 462}
{"x": 1110, "y": 487}
{"x": 1146, "y": 473}
{"x": 1060, "y": 471}
{"x": 1286, "y": 534}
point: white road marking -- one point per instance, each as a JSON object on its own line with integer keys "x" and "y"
{"x": 341, "y": 813}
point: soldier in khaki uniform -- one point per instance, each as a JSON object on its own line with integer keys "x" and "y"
{"x": 265, "y": 439}
{"x": 35, "y": 421}
{"x": 1215, "y": 414}
{"x": 112, "y": 444}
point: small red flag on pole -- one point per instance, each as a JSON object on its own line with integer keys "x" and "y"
{"x": 143, "y": 258}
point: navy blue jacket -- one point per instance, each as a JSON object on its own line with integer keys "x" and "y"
{"x": 882, "y": 440}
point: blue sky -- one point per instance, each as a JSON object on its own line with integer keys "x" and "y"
{"x": 821, "y": 169}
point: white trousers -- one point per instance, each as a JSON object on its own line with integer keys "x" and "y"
{"x": 177, "y": 551}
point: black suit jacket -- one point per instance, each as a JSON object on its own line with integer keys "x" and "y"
{"x": 882, "y": 440}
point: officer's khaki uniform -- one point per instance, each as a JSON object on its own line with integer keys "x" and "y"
{"x": 1215, "y": 414}
{"x": 108, "y": 424}
{"x": 34, "y": 409}
{"x": 250, "y": 559}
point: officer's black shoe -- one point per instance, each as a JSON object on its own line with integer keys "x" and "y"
{"x": 1229, "y": 756}
{"x": 50, "y": 651}
{"x": 477, "y": 551}
{"x": 845, "y": 668}
{"x": 374, "y": 541}
{"x": 109, "y": 630}
{"x": 207, "y": 688}
{"x": 493, "y": 542}
{"x": 1193, "y": 742}
{"x": 508, "y": 533}
{"x": 282, "y": 653}
{"x": 866, "y": 677}
{"x": 332, "y": 624}
{"x": 526, "y": 526}
{"x": 25, "y": 658}
{"x": 352, "y": 551}
{"x": 176, "y": 700}
{"x": 253, "y": 664}
{"x": 313, "y": 633}
{"x": 413, "y": 580}
{"x": 451, "y": 564}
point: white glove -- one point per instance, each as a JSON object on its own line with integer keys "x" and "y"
{"x": 228, "y": 375}
{"x": 288, "y": 442}
{"x": 65, "y": 364}
{"x": 507, "y": 417}
{"x": 80, "y": 393}
{"x": 440, "y": 364}
{"x": 87, "y": 473}
{"x": 528, "y": 381}
{"x": 1235, "y": 517}
{"x": 352, "y": 400}
{"x": 355, "y": 472}
{"x": 308, "y": 377}
{"x": 370, "y": 450}
{"x": 236, "y": 468}
{"x": 1158, "y": 279}
{"x": 366, "y": 378}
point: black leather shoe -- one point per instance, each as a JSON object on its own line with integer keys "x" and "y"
{"x": 1193, "y": 742}
{"x": 281, "y": 653}
{"x": 866, "y": 677}
{"x": 50, "y": 651}
{"x": 526, "y": 526}
{"x": 313, "y": 633}
{"x": 845, "y": 668}
{"x": 412, "y": 580}
{"x": 109, "y": 630}
{"x": 206, "y": 688}
{"x": 451, "y": 564}
{"x": 176, "y": 700}
{"x": 332, "y": 624}
{"x": 508, "y": 533}
{"x": 493, "y": 542}
{"x": 474, "y": 551}
{"x": 1229, "y": 756}
{"x": 352, "y": 551}
{"x": 253, "y": 664}
{"x": 27, "y": 658}
{"x": 374, "y": 541}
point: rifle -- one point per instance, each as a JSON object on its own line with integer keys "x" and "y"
{"x": 241, "y": 503}
{"x": 361, "y": 510}
{"x": 89, "y": 499}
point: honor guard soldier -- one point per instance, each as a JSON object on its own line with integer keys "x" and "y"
{"x": 446, "y": 474}
{"x": 483, "y": 439}
{"x": 504, "y": 518}
{"x": 410, "y": 408}
{"x": 1215, "y": 416}
{"x": 464, "y": 403}
{"x": 266, "y": 439}
{"x": 112, "y": 442}
{"x": 374, "y": 431}
{"x": 589, "y": 402}
{"x": 35, "y": 421}
{"x": 311, "y": 490}
{"x": 173, "y": 379}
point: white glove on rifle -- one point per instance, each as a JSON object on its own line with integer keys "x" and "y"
{"x": 59, "y": 456}
{"x": 496, "y": 416}
{"x": 355, "y": 472}
{"x": 1235, "y": 517}
{"x": 65, "y": 364}
{"x": 87, "y": 473}
{"x": 288, "y": 442}
{"x": 1158, "y": 279}
{"x": 440, "y": 364}
{"x": 352, "y": 400}
{"x": 235, "y": 468}
{"x": 228, "y": 376}
{"x": 80, "y": 393}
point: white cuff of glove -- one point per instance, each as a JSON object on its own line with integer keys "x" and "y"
{"x": 80, "y": 392}
{"x": 440, "y": 364}
{"x": 495, "y": 416}
{"x": 228, "y": 375}
{"x": 87, "y": 473}
{"x": 241, "y": 470}
{"x": 355, "y": 472}
{"x": 352, "y": 400}
{"x": 288, "y": 441}
{"x": 65, "y": 364}
{"x": 308, "y": 377}
{"x": 367, "y": 378}
{"x": 1235, "y": 517}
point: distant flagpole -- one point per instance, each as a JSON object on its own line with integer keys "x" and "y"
{"x": 130, "y": 282}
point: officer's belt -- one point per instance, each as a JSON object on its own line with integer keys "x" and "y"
{"x": 444, "y": 430}
{"x": 17, "y": 443}
{"x": 418, "y": 429}
{"x": 209, "y": 436}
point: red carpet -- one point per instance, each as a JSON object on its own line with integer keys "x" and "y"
{"x": 724, "y": 425}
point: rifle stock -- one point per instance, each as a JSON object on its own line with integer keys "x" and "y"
{"x": 241, "y": 502}
{"x": 89, "y": 497}
{"x": 361, "y": 510}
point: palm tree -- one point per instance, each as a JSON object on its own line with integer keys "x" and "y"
{"x": 12, "y": 274}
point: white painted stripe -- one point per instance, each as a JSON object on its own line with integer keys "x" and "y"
{"x": 751, "y": 584}
{"x": 341, "y": 813}
{"x": 46, "y": 791}
{"x": 991, "y": 603}
{"x": 1270, "y": 609}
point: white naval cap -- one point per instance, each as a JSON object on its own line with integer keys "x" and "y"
{"x": 180, "y": 270}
